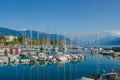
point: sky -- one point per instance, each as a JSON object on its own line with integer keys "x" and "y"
{"x": 60, "y": 16}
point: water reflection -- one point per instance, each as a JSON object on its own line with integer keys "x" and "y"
{"x": 48, "y": 70}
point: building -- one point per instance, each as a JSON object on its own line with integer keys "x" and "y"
{"x": 9, "y": 37}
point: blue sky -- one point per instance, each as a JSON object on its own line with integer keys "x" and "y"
{"x": 60, "y": 15}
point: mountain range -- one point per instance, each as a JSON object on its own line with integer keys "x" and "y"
{"x": 104, "y": 37}
{"x": 28, "y": 33}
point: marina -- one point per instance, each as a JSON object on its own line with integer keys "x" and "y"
{"x": 59, "y": 39}
{"x": 29, "y": 65}
{"x": 65, "y": 59}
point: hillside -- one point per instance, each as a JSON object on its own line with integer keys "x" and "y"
{"x": 27, "y": 33}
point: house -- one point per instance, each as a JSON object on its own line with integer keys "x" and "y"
{"x": 9, "y": 37}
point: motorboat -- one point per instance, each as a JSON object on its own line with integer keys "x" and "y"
{"x": 60, "y": 57}
{"x": 41, "y": 56}
{"x": 14, "y": 58}
{"x": 3, "y": 60}
{"x": 23, "y": 54}
{"x": 116, "y": 51}
{"x": 95, "y": 49}
{"x": 106, "y": 52}
{"x": 33, "y": 58}
{"x": 114, "y": 75}
{"x": 24, "y": 59}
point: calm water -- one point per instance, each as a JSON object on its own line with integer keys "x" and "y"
{"x": 67, "y": 71}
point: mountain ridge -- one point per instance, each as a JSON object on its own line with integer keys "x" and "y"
{"x": 27, "y": 33}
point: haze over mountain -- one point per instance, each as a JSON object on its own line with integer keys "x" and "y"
{"x": 106, "y": 37}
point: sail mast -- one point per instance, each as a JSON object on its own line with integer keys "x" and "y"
{"x": 31, "y": 36}
{"x": 48, "y": 38}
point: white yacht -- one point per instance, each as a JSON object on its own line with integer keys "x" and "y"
{"x": 14, "y": 58}
{"x": 41, "y": 56}
{"x": 114, "y": 75}
{"x": 106, "y": 52}
{"x": 3, "y": 60}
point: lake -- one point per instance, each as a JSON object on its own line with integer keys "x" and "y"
{"x": 94, "y": 63}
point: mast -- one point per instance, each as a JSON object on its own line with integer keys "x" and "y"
{"x": 48, "y": 38}
{"x": 77, "y": 38}
{"x": 23, "y": 36}
{"x": 65, "y": 44}
{"x": 57, "y": 40}
{"x": 64, "y": 41}
{"x": 31, "y": 36}
{"x": 71, "y": 40}
{"x": 38, "y": 37}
